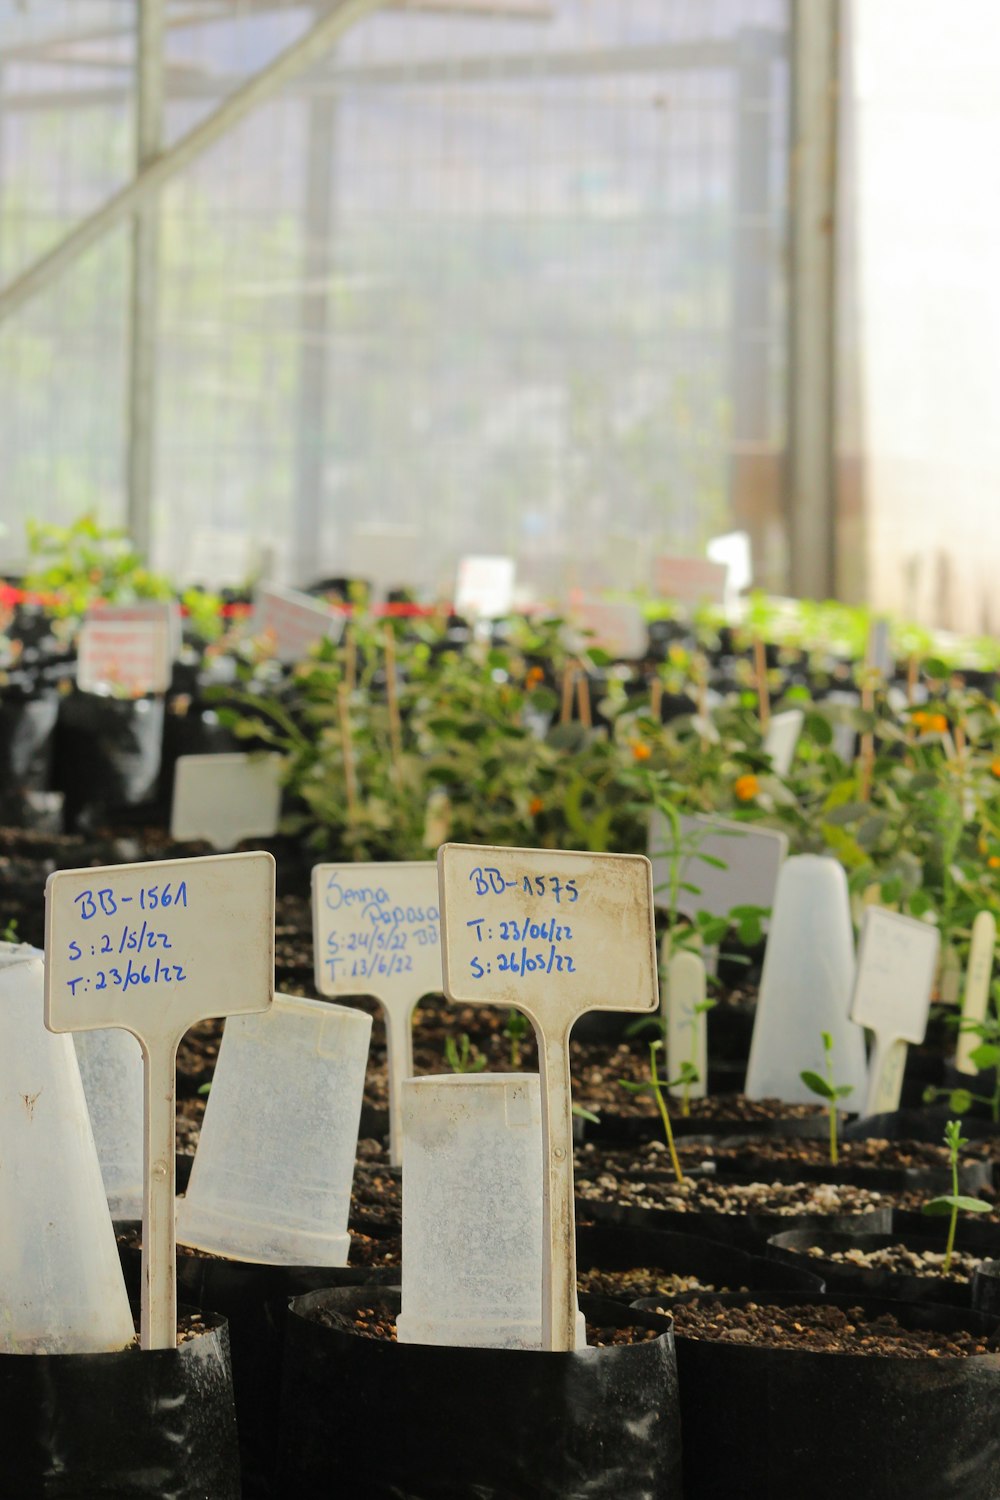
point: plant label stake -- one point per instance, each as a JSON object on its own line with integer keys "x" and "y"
{"x": 553, "y": 934}
{"x": 617, "y": 628}
{"x": 376, "y": 931}
{"x": 686, "y": 1029}
{"x": 978, "y": 978}
{"x": 744, "y": 868}
{"x": 225, "y": 798}
{"x": 484, "y": 587}
{"x": 897, "y": 962}
{"x": 131, "y": 647}
{"x": 782, "y": 737}
{"x": 295, "y": 621}
{"x": 153, "y": 948}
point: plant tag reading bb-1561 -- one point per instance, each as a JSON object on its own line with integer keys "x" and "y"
{"x": 153, "y": 948}
{"x": 897, "y": 962}
{"x": 377, "y": 931}
{"x": 553, "y": 934}
{"x": 225, "y": 798}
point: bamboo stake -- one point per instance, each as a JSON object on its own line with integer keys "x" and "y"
{"x": 350, "y": 782}
{"x": 763, "y": 692}
{"x": 392, "y": 699}
{"x": 583, "y": 699}
{"x": 912, "y": 675}
{"x": 569, "y": 678}
{"x": 656, "y": 698}
{"x": 350, "y": 660}
{"x": 866, "y": 759}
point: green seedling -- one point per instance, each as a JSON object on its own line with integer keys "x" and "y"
{"x": 983, "y": 1058}
{"x": 655, "y": 1086}
{"x": 950, "y": 1203}
{"x": 823, "y": 1085}
{"x": 515, "y": 1030}
{"x": 463, "y": 1058}
{"x": 9, "y": 934}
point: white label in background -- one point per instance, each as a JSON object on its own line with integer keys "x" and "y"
{"x": 226, "y": 798}
{"x": 690, "y": 580}
{"x": 131, "y": 649}
{"x": 879, "y": 652}
{"x": 485, "y": 586}
{"x": 377, "y": 931}
{"x": 844, "y": 735}
{"x": 156, "y": 610}
{"x": 733, "y": 550}
{"x": 618, "y": 629}
{"x": 219, "y": 558}
{"x": 897, "y": 962}
{"x": 554, "y": 933}
{"x": 294, "y": 621}
{"x": 782, "y": 737}
{"x": 154, "y": 948}
{"x": 752, "y": 857}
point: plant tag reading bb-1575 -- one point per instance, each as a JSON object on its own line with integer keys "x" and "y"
{"x": 897, "y": 962}
{"x": 377, "y": 931}
{"x": 225, "y": 798}
{"x": 153, "y": 948}
{"x": 553, "y": 934}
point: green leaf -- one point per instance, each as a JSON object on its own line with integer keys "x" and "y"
{"x": 986, "y": 1055}
{"x": 850, "y": 812}
{"x": 842, "y": 1090}
{"x": 960, "y": 1101}
{"x": 818, "y": 1084}
{"x": 938, "y": 1207}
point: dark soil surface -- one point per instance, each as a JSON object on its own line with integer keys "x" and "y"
{"x": 901, "y": 1260}
{"x": 822, "y": 1329}
{"x": 642, "y": 1281}
{"x": 706, "y": 1195}
{"x": 370, "y": 1323}
{"x": 756, "y": 1155}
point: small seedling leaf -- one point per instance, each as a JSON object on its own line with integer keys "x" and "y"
{"x": 818, "y": 1084}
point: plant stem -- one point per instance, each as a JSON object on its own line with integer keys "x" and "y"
{"x": 834, "y": 1153}
{"x": 661, "y": 1105}
{"x": 950, "y": 1246}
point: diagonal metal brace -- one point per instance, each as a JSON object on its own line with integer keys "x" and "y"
{"x": 257, "y": 90}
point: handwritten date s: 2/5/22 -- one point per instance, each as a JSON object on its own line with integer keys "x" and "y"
{"x": 113, "y": 978}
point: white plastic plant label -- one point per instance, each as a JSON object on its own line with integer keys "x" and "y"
{"x": 744, "y": 867}
{"x": 153, "y": 948}
{"x": 897, "y": 962}
{"x": 690, "y": 580}
{"x": 553, "y": 934}
{"x": 226, "y": 798}
{"x": 618, "y": 629}
{"x": 684, "y": 1008}
{"x": 485, "y": 587}
{"x": 782, "y": 737}
{"x": 377, "y": 931}
{"x": 293, "y": 621}
{"x": 128, "y": 648}
{"x": 978, "y": 979}
{"x": 733, "y": 551}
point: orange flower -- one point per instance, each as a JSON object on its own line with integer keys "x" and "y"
{"x": 938, "y": 724}
{"x": 994, "y": 861}
{"x": 533, "y": 677}
{"x": 995, "y": 768}
{"x": 920, "y": 719}
{"x": 640, "y": 750}
{"x": 746, "y": 788}
{"x": 535, "y": 806}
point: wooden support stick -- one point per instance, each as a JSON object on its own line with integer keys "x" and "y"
{"x": 866, "y": 759}
{"x": 350, "y": 783}
{"x": 583, "y": 699}
{"x": 392, "y": 700}
{"x": 656, "y": 698}
{"x": 350, "y": 660}
{"x": 763, "y": 692}
{"x": 569, "y": 678}
{"x": 912, "y": 677}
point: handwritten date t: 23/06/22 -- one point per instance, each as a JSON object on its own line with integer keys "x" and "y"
{"x": 112, "y": 978}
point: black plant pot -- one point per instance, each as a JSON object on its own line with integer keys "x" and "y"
{"x": 156, "y": 1425}
{"x": 782, "y": 1424}
{"x": 27, "y": 723}
{"x": 749, "y": 1232}
{"x": 622, "y": 1249}
{"x": 792, "y": 1249}
{"x": 108, "y": 754}
{"x": 371, "y": 1419}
